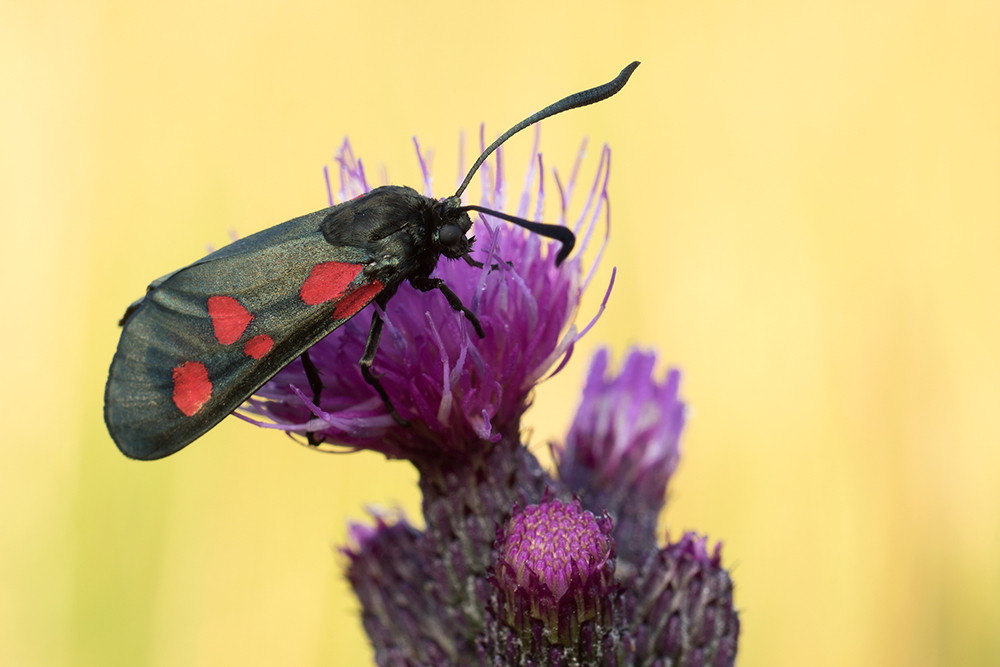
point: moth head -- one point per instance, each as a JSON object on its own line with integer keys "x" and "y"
{"x": 450, "y": 236}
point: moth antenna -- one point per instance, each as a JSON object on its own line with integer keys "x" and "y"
{"x": 574, "y": 101}
{"x": 557, "y": 232}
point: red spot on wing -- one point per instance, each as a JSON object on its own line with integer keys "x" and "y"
{"x": 192, "y": 388}
{"x": 229, "y": 318}
{"x": 258, "y": 346}
{"x": 356, "y": 300}
{"x": 328, "y": 280}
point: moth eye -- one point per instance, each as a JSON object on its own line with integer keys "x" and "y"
{"x": 450, "y": 234}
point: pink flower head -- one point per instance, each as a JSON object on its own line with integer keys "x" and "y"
{"x": 453, "y": 387}
{"x": 683, "y": 605}
{"x": 624, "y": 445}
{"x": 555, "y": 571}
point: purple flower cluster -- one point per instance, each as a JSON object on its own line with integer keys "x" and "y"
{"x": 516, "y": 566}
{"x": 624, "y": 446}
{"x": 554, "y": 576}
{"x": 454, "y": 387}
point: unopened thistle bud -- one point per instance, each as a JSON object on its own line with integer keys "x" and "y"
{"x": 555, "y": 580}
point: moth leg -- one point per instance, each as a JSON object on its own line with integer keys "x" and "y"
{"x": 478, "y": 265}
{"x": 371, "y": 347}
{"x": 316, "y": 384}
{"x": 427, "y": 284}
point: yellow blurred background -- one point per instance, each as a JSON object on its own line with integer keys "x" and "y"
{"x": 806, "y": 208}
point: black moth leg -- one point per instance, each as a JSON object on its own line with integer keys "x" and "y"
{"x": 468, "y": 260}
{"x": 316, "y": 384}
{"x": 427, "y": 284}
{"x": 478, "y": 265}
{"x": 371, "y": 347}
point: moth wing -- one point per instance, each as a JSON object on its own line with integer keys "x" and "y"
{"x": 209, "y": 335}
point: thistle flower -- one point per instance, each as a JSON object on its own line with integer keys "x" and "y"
{"x": 576, "y": 576}
{"x": 624, "y": 446}
{"x": 454, "y": 388}
{"x": 403, "y": 616}
{"x": 681, "y": 606}
{"x": 554, "y": 576}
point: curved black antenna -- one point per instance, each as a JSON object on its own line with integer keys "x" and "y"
{"x": 557, "y": 232}
{"x": 581, "y": 99}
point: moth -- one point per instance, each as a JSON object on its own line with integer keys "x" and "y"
{"x": 204, "y": 338}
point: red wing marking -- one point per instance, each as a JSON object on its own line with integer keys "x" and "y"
{"x": 192, "y": 388}
{"x": 328, "y": 280}
{"x": 356, "y": 300}
{"x": 258, "y": 346}
{"x": 229, "y": 318}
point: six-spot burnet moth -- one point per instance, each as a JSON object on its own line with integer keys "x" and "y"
{"x": 207, "y": 336}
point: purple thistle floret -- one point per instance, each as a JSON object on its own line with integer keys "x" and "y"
{"x": 555, "y": 575}
{"x": 624, "y": 446}
{"x": 576, "y": 577}
{"x": 454, "y": 388}
{"x": 402, "y": 610}
{"x": 681, "y": 606}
